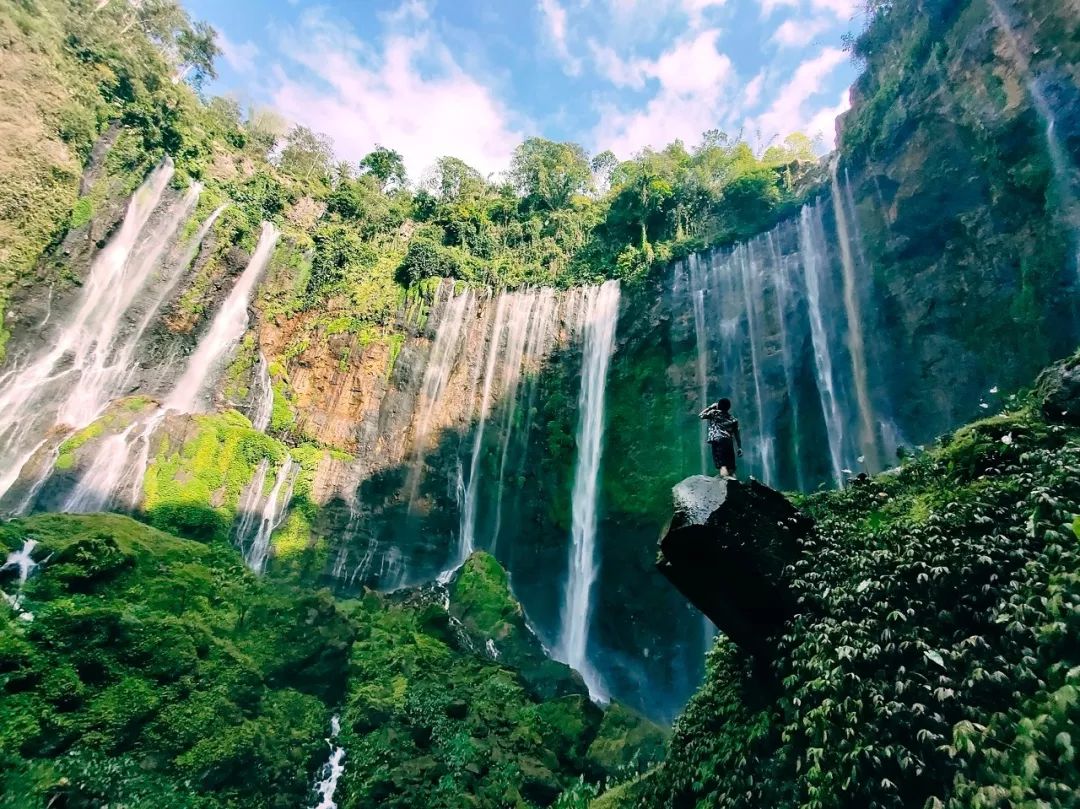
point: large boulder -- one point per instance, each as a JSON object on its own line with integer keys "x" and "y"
{"x": 1058, "y": 389}
{"x": 727, "y": 549}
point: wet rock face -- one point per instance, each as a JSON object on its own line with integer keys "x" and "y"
{"x": 727, "y": 550}
{"x": 1058, "y": 389}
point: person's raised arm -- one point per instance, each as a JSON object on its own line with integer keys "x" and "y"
{"x": 708, "y": 412}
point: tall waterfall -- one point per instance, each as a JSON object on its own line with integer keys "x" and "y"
{"x": 45, "y": 391}
{"x": 444, "y": 351}
{"x": 601, "y": 316}
{"x": 467, "y": 533}
{"x": 852, "y": 308}
{"x": 1064, "y": 167}
{"x": 225, "y": 331}
{"x": 103, "y": 364}
{"x": 781, "y": 312}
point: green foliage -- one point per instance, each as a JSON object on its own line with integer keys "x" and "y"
{"x": 930, "y": 662}
{"x": 194, "y": 490}
{"x": 158, "y": 671}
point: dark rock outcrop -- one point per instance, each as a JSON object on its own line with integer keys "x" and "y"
{"x": 727, "y": 549}
{"x": 1058, "y": 389}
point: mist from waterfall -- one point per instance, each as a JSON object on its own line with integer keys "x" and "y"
{"x": 601, "y": 317}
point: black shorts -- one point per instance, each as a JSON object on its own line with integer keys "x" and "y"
{"x": 723, "y": 454}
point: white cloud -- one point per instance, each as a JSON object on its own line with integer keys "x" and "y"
{"x": 798, "y": 33}
{"x": 823, "y": 122}
{"x": 555, "y": 19}
{"x": 788, "y": 112}
{"x": 407, "y": 93}
{"x": 240, "y": 56}
{"x": 620, "y": 72}
{"x": 695, "y": 94}
{"x": 752, "y": 91}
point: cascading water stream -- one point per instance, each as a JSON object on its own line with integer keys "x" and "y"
{"x": 853, "y": 311}
{"x": 601, "y": 317}
{"x": 696, "y": 290}
{"x": 534, "y": 340}
{"x": 274, "y": 509}
{"x": 251, "y": 505}
{"x": 812, "y": 251}
{"x": 1063, "y": 166}
{"x": 21, "y": 560}
{"x": 105, "y": 474}
{"x": 785, "y": 304}
{"x": 264, "y": 396}
{"x": 332, "y": 770}
{"x": 225, "y": 331}
{"x": 28, "y": 401}
{"x": 106, "y": 361}
{"x": 444, "y": 351}
{"x": 744, "y": 257}
{"x": 467, "y": 532}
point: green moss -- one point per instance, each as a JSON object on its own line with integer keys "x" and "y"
{"x": 81, "y": 213}
{"x": 88, "y": 433}
{"x": 395, "y": 342}
{"x": 194, "y": 490}
{"x": 481, "y": 595}
{"x": 282, "y": 415}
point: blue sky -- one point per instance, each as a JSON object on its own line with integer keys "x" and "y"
{"x": 473, "y": 79}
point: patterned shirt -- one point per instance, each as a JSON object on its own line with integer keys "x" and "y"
{"x": 722, "y": 426}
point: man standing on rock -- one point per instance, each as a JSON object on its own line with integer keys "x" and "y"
{"x": 723, "y": 436}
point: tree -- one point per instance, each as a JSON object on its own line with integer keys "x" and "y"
{"x": 548, "y": 174}
{"x": 197, "y": 48}
{"x": 265, "y": 128}
{"x": 387, "y": 166}
{"x": 307, "y": 154}
{"x": 602, "y": 166}
{"x": 454, "y": 180}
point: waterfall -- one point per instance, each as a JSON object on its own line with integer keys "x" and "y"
{"x": 251, "y": 504}
{"x": 274, "y": 508}
{"x": 785, "y": 306}
{"x": 103, "y": 364}
{"x": 744, "y": 256}
{"x": 23, "y": 561}
{"x": 28, "y": 401}
{"x": 331, "y": 770}
{"x": 444, "y": 351}
{"x": 812, "y": 251}
{"x": 535, "y": 342}
{"x": 856, "y": 342}
{"x": 225, "y": 331}
{"x": 1063, "y": 166}
{"x": 104, "y": 475}
{"x": 696, "y": 290}
{"x": 467, "y": 533}
{"x": 263, "y": 396}
{"x": 601, "y": 316}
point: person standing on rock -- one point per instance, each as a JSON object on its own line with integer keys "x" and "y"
{"x": 723, "y": 436}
